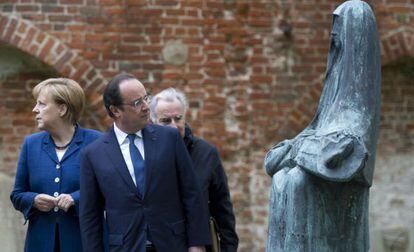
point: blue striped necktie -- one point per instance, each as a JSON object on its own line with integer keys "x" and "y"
{"x": 138, "y": 163}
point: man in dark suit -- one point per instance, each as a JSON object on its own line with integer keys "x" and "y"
{"x": 168, "y": 108}
{"x": 142, "y": 178}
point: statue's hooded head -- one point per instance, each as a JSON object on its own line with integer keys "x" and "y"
{"x": 349, "y": 108}
{"x": 350, "y": 99}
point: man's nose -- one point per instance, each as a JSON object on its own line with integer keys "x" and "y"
{"x": 145, "y": 105}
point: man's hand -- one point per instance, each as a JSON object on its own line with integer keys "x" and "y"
{"x": 64, "y": 202}
{"x": 196, "y": 249}
{"x": 44, "y": 202}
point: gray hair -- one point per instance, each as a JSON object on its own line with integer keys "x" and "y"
{"x": 169, "y": 95}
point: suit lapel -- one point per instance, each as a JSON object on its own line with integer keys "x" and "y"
{"x": 113, "y": 151}
{"x": 149, "y": 137}
{"x": 49, "y": 148}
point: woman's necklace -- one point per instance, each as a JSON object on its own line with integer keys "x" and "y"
{"x": 65, "y": 146}
{"x": 62, "y": 147}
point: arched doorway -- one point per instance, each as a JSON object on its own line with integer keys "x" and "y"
{"x": 19, "y": 72}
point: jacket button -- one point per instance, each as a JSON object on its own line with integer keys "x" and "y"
{"x": 57, "y": 179}
{"x": 55, "y": 194}
{"x": 56, "y": 209}
{"x": 58, "y": 166}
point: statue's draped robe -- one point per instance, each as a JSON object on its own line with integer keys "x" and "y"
{"x": 321, "y": 178}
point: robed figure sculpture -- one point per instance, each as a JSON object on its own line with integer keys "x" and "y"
{"x": 321, "y": 178}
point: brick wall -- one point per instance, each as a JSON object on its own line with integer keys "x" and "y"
{"x": 253, "y": 71}
{"x": 397, "y": 117}
{"x": 15, "y": 109}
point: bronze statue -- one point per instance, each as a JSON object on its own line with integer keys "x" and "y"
{"x": 321, "y": 178}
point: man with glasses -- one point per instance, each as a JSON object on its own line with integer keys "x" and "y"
{"x": 168, "y": 108}
{"x": 140, "y": 175}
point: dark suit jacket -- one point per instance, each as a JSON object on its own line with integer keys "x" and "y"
{"x": 171, "y": 212}
{"x": 37, "y": 171}
{"x": 213, "y": 181}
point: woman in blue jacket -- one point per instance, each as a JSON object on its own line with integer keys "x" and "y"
{"x": 46, "y": 188}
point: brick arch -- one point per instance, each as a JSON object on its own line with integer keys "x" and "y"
{"x": 396, "y": 44}
{"x": 25, "y": 36}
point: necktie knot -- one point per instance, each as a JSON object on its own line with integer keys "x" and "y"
{"x": 131, "y": 138}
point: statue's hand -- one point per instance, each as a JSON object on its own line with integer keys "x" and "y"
{"x": 335, "y": 152}
{"x": 278, "y": 157}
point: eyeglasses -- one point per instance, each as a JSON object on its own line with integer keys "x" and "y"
{"x": 138, "y": 103}
{"x": 168, "y": 120}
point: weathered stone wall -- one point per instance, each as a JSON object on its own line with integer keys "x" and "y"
{"x": 392, "y": 198}
{"x": 252, "y": 70}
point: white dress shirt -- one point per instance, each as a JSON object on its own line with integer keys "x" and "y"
{"x": 123, "y": 142}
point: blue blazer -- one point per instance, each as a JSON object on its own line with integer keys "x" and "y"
{"x": 170, "y": 213}
{"x": 37, "y": 170}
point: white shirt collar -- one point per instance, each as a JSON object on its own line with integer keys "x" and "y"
{"x": 122, "y": 136}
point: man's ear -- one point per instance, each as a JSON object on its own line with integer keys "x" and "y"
{"x": 115, "y": 110}
{"x": 63, "y": 109}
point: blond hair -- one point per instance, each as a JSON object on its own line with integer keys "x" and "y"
{"x": 67, "y": 92}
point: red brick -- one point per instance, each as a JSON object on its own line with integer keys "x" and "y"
{"x": 261, "y": 79}
{"x": 71, "y": 1}
{"x": 28, "y": 39}
{"x": 27, "y": 8}
{"x": 47, "y": 49}
{"x": 151, "y": 12}
{"x": 67, "y": 71}
{"x": 40, "y": 37}
{"x": 9, "y": 30}
{"x": 73, "y": 9}
{"x": 215, "y": 73}
{"x": 169, "y": 3}
{"x": 192, "y": 22}
{"x": 3, "y": 23}
{"x": 63, "y": 60}
{"x": 59, "y": 18}
{"x": 33, "y": 16}
{"x": 175, "y": 12}
{"x": 192, "y": 76}
{"x": 131, "y": 49}
{"x": 192, "y": 3}
{"x": 169, "y": 21}
{"x": 33, "y": 49}
{"x": 59, "y": 49}
{"x": 91, "y": 74}
{"x": 22, "y": 27}
{"x": 52, "y": 9}
{"x": 151, "y": 48}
